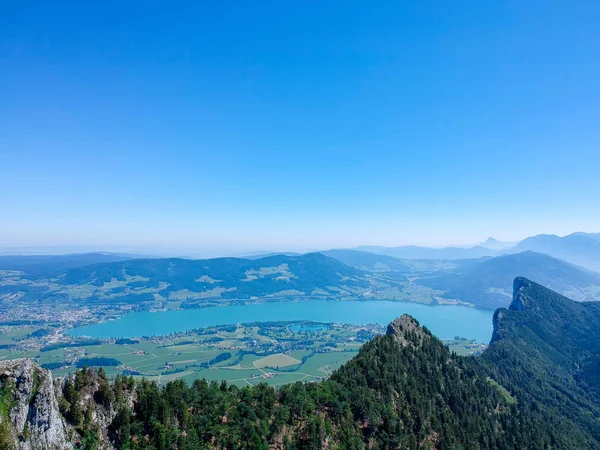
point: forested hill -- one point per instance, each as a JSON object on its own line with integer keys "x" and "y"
{"x": 369, "y": 261}
{"x": 50, "y": 265}
{"x": 545, "y": 349}
{"x": 226, "y": 277}
{"x": 153, "y": 282}
{"x": 535, "y": 387}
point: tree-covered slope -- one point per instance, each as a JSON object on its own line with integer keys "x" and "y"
{"x": 48, "y": 265}
{"x": 151, "y": 283}
{"x": 546, "y": 350}
{"x": 369, "y": 261}
{"x": 226, "y": 277}
{"x": 407, "y": 390}
{"x": 488, "y": 284}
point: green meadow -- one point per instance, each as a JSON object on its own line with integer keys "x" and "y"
{"x": 275, "y": 353}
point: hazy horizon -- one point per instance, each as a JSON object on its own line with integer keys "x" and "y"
{"x": 194, "y": 250}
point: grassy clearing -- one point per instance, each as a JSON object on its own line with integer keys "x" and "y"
{"x": 322, "y": 364}
{"x": 507, "y": 395}
{"x": 272, "y": 353}
{"x": 247, "y": 362}
{"x": 9, "y": 335}
{"x": 276, "y": 360}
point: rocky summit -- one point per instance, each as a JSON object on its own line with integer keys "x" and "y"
{"x": 405, "y": 326}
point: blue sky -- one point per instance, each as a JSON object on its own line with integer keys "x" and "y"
{"x": 300, "y": 125}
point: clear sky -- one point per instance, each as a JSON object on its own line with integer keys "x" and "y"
{"x": 297, "y": 124}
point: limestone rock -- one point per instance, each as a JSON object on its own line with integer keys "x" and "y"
{"x": 34, "y": 420}
{"x": 407, "y": 331}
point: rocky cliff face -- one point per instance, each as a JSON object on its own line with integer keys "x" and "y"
{"x": 405, "y": 325}
{"x": 29, "y": 414}
{"x": 95, "y": 399}
{"x": 521, "y": 299}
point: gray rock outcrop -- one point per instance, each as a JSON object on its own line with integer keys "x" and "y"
{"x": 404, "y": 326}
{"x": 30, "y": 418}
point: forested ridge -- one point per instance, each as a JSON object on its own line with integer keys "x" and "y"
{"x": 404, "y": 390}
{"x": 535, "y": 387}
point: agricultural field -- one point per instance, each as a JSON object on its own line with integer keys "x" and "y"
{"x": 275, "y": 352}
{"x": 10, "y": 335}
{"x": 276, "y": 361}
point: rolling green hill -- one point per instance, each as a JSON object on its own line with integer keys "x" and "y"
{"x": 146, "y": 283}
{"x": 227, "y": 277}
{"x": 488, "y": 284}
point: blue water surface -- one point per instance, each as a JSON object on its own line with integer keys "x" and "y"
{"x": 445, "y": 322}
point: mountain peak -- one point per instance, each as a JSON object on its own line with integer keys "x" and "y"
{"x": 494, "y": 244}
{"x": 537, "y": 312}
{"x": 520, "y": 300}
{"x": 528, "y": 295}
{"x": 407, "y": 331}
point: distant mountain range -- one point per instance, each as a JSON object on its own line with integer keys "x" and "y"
{"x": 110, "y": 279}
{"x": 579, "y": 248}
{"x": 488, "y": 283}
{"x": 483, "y": 282}
{"x": 423, "y": 274}
{"x": 495, "y": 244}
{"x": 416, "y": 252}
{"x": 582, "y": 249}
{"x": 266, "y": 255}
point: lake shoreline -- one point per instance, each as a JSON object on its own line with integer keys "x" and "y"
{"x": 446, "y": 321}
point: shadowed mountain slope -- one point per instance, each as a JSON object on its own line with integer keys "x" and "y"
{"x": 48, "y": 265}
{"x": 582, "y": 249}
{"x": 488, "y": 284}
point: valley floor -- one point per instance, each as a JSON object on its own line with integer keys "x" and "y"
{"x": 276, "y": 353}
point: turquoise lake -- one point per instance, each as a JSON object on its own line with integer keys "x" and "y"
{"x": 445, "y": 322}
